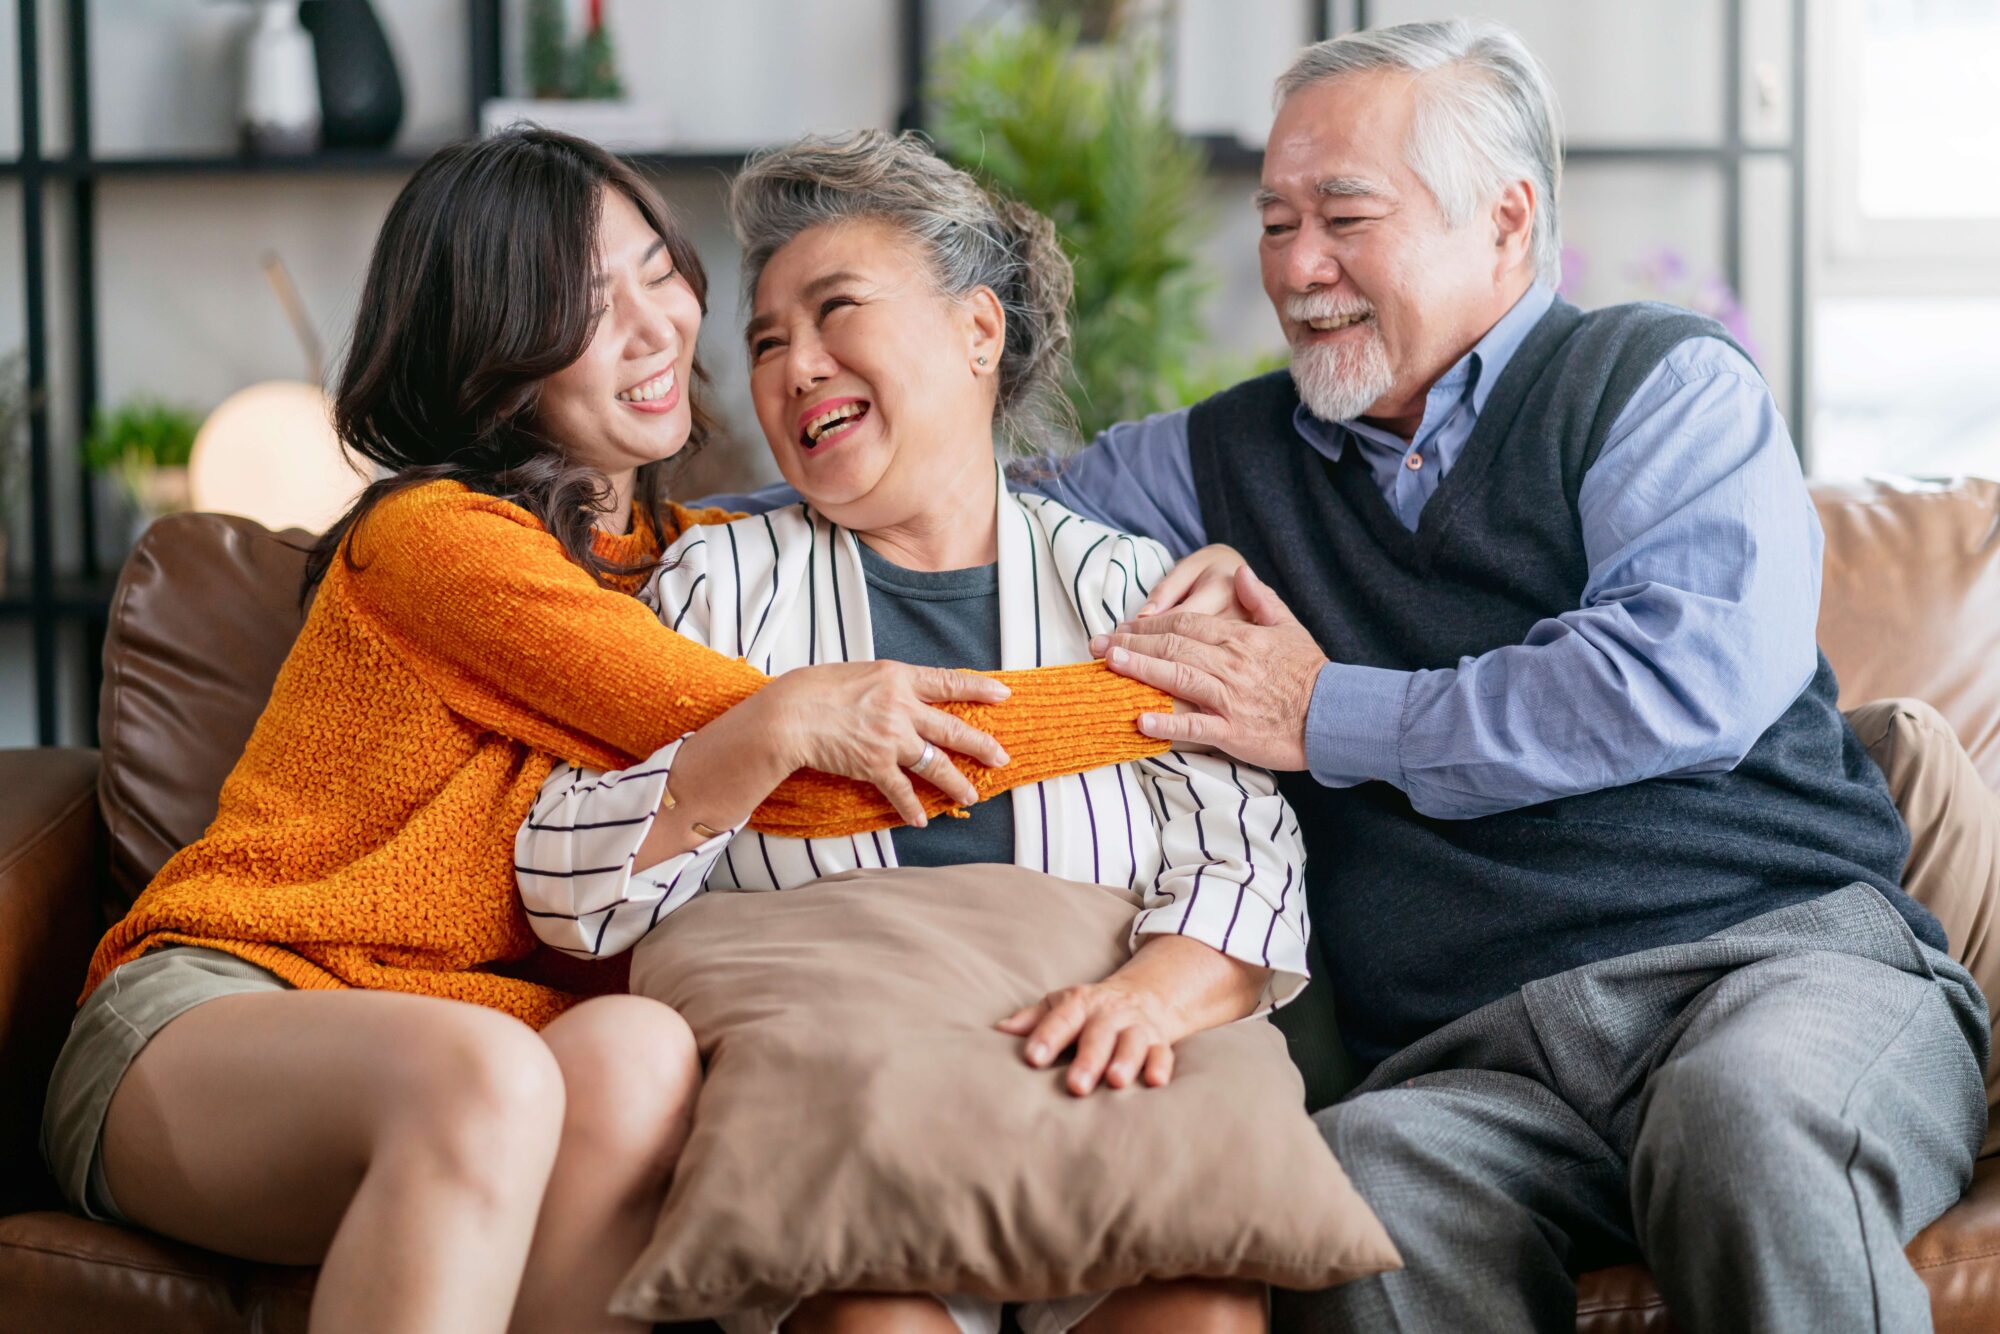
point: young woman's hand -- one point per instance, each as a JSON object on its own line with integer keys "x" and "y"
{"x": 1125, "y": 1027}
{"x": 872, "y": 720}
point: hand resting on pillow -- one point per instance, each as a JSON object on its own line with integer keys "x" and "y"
{"x": 1125, "y": 1026}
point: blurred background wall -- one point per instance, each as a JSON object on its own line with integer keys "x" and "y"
{"x": 1868, "y": 286}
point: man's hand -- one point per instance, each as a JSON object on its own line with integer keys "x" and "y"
{"x": 1248, "y": 687}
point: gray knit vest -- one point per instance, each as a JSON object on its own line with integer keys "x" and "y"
{"x": 1423, "y": 920}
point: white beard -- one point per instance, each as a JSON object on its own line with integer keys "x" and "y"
{"x": 1340, "y": 382}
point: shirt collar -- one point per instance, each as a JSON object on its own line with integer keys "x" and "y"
{"x": 1475, "y": 374}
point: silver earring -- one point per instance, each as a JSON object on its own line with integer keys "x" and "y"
{"x": 982, "y": 361}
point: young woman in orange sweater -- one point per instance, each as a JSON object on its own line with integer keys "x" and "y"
{"x": 276, "y": 1057}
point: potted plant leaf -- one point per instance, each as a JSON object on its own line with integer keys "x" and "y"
{"x": 574, "y": 84}
{"x": 1082, "y": 136}
{"x": 144, "y": 446}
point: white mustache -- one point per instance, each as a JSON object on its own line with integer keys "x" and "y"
{"x": 1324, "y": 306}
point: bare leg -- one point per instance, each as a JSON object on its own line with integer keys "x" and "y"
{"x": 1187, "y": 1306}
{"x": 870, "y": 1313}
{"x": 630, "y": 1074}
{"x": 402, "y": 1142}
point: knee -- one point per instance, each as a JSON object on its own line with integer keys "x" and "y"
{"x": 1712, "y": 1121}
{"x": 1384, "y": 1142}
{"x": 1194, "y": 1306}
{"x": 870, "y": 1313}
{"x": 484, "y": 1099}
{"x": 630, "y": 1072}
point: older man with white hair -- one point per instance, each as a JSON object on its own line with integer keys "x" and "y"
{"x": 1609, "y": 890}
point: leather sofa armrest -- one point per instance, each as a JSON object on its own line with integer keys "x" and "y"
{"x": 51, "y": 853}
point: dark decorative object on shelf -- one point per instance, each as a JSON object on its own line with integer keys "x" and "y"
{"x": 360, "y": 93}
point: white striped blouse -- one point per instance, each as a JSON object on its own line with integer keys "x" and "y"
{"x": 1207, "y": 843}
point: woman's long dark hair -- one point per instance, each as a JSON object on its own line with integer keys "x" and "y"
{"x": 478, "y": 290}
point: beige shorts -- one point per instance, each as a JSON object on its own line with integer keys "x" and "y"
{"x": 138, "y": 1000}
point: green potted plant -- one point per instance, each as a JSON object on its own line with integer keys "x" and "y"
{"x": 1083, "y": 137}
{"x": 574, "y": 84}
{"x": 144, "y": 445}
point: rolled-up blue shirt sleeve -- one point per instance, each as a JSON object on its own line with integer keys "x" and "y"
{"x": 1696, "y": 628}
{"x": 1135, "y": 477}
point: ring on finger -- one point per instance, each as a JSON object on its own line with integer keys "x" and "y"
{"x": 925, "y": 757}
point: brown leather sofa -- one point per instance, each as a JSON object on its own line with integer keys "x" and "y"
{"x": 206, "y": 610}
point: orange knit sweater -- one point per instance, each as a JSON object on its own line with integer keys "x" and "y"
{"x": 366, "y": 837}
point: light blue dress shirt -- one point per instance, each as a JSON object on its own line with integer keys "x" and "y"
{"x": 1696, "y": 625}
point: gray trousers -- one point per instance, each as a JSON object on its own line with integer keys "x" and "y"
{"x": 1766, "y": 1117}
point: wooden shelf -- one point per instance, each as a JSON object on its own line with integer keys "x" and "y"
{"x": 1226, "y": 153}
{"x": 693, "y": 159}
{"x": 331, "y": 162}
{"x": 341, "y": 161}
{"x": 1695, "y": 153}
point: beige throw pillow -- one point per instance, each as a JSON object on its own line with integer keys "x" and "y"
{"x": 1954, "y": 820}
{"x": 863, "y": 1126}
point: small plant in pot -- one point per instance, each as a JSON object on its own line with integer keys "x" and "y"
{"x": 1078, "y": 131}
{"x": 144, "y": 445}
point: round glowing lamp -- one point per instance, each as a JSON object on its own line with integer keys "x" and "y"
{"x": 269, "y": 453}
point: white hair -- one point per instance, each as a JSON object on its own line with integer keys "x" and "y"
{"x": 1486, "y": 115}
{"x": 973, "y": 239}
{"x": 1338, "y": 382}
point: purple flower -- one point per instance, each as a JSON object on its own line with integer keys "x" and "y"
{"x": 1575, "y": 268}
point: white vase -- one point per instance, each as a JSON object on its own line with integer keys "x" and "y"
{"x": 280, "y": 83}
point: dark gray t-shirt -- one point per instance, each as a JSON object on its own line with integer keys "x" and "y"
{"x": 942, "y": 618}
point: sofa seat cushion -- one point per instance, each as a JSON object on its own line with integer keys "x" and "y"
{"x": 81, "y": 1275}
{"x": 1958, "y": 1257}
{"x": 100, "y": 1277}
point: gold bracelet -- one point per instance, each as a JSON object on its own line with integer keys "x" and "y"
{"x": 667, "y": 803}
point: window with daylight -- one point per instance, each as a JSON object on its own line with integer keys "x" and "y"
{"x": 1908, "y": 320}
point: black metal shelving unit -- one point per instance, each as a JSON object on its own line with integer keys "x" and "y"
{"x": 53, "y": 600}
{"x": 49, "y": 600}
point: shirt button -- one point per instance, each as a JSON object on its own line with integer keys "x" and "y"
{"x": 1414, "y": 462}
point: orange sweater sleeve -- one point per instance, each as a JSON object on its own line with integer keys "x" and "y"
{"x": 483, "y": 604}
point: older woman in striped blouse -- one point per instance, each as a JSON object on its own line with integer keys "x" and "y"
{"x": 901, "y": 319}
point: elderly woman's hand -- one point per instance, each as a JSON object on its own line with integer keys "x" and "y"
{"x": 873, "y": 720}
{"x": 1125, "y": 1027}
{"x": 1202, "y": 582}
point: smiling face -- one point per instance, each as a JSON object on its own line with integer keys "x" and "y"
{"x": 1376, "y": 292}
{"x": 867, "y": 379}
{"x": 624, "y": 402}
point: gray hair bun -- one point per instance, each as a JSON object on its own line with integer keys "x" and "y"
{"x": 974, "y": 239}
